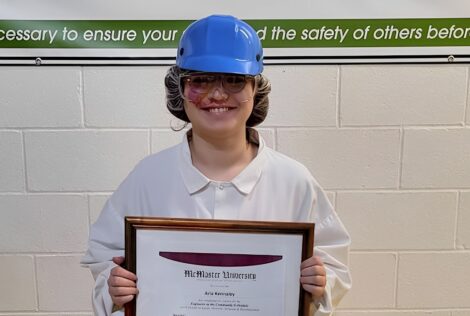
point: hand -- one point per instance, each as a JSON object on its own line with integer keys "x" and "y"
{"x": 313, "y": 276}
{"x": 121, "y": 283}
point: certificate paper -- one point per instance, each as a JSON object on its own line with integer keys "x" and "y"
{"x": 205, "y": 273}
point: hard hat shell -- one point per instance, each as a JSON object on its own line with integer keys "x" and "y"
{"x": 220, "y": 43}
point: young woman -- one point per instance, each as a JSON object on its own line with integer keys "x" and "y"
{"x": 221, "y": 170}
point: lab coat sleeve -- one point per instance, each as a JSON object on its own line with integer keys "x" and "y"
{"x": 106, "y": 241}
{"x": 331, "y": 244}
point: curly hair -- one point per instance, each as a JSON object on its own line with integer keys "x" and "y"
{"x": 175, "y": 102}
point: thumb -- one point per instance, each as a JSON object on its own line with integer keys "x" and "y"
{"x": 118, "y": 260}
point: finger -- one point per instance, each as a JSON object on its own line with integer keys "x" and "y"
{"x": 121, "y": 300}
{"x": 123, "y": 291}
{"x": 316, "y": 291}
{"x": 313, "y": 280}
{"x": 119, "y": 281}
{"x": 313, "y": 260}
{"x": 118, "y": 260}
{"x": 314, "y": 270}
{"x": 123, "y": 273}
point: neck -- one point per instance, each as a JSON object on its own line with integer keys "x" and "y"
{"x": 221, "y": 159}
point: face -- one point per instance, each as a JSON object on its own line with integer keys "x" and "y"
{"x": 218, "y": 105}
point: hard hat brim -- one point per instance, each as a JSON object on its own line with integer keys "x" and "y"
{"x": 219, "y": 64}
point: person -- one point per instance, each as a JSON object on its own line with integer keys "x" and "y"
{"x": 221, "y": 170}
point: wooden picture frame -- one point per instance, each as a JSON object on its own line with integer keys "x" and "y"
{"x": 217, "y": 240}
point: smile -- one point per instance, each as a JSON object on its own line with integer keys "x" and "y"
{"x": 218, "y": 110}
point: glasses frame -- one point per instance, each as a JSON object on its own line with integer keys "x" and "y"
{"x": 186, "y": 78}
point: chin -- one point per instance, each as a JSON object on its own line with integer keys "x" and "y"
{"x": 218, "y": 130}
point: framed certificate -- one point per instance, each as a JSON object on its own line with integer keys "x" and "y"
{"x": 192, "y": 267}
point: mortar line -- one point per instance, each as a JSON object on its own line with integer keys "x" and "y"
{"x": 89, "y": 211}
{"x": 82, "y": 97}
{"x": 36, "y": 283}
{"x": 405, "y": 309}
{"x": 395, "y": 290}
{"x": 43, "y": 254}
{"x": 330, "y": 189}
{"x": 338, "y": 97}
{"x": 58, "y": 193}
{"x": 457, "y": 217}
{"x": 23, "y": 143}
{"x": 466, "y": 109}
{"x": 88, "y": 129}
{"x": 394, "y": 189}
{"x": 400, "y": 158}
{"x": 412, "y": 251}
{"x": 294, "y": 128}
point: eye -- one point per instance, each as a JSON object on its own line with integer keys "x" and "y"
{"x": 235, "y": 80}
{"x": 202, "y": 80}
{"x": 234, "y": 83}
{"x": 197, "y": 80}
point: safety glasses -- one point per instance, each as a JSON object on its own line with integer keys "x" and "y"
{"x": 203, "y": 83}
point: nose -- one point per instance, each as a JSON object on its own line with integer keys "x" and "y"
{"x": 217, "y": 92}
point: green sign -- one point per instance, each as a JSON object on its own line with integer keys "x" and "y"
{"x": 155, "y": 34}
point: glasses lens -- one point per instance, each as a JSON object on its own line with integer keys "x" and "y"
{"x": 201, "y": 83}
{"x": 234, "y": 83}
{"x": 198, "y": 84}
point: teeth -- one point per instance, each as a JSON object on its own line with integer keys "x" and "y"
{"x": 218, "y": 110}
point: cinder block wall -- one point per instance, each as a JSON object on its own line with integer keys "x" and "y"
{"x": 389, "y": 143}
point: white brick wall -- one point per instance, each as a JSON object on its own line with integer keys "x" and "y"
{"x": 316, "y": 86}
{"x": 82, "y": 160}
{"x": 96, "y": 203}
{"x": 390, "y": 143}
{"x": 55, "y": 277}
{"x": 397, "y": 313}
{"x": 40, "y": 97}
{"x": 463, "y": 231}
{"x": 447, "y": 157}
{"x": 403, "y": 95}
{"x": 423, "y": 278}
{"x": 374, "y": 281}
{"x": 17, "y": 286}
{"x": 346, "y": 158}
{"x": 399, "y": 220}
{"x": 43, "y": 223}
{"x": 12, "y": 162}
{"x": 133, "y": 93}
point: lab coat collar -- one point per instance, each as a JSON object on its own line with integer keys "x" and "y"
{"x": 195, "y": 181}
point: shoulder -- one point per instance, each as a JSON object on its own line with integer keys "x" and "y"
{"x": 159, "y": 161}
{"x": 153, "y": 171}
{"x": 155, "y": 167}
{"x": 162, "y": 157}
{"x": 290, "y": 173}
{"x": 285, "y": 166}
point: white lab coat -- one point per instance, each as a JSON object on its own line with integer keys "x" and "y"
{"x": 273, "y": 187}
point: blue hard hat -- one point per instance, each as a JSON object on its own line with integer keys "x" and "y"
{"x": 220, "y": 43}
